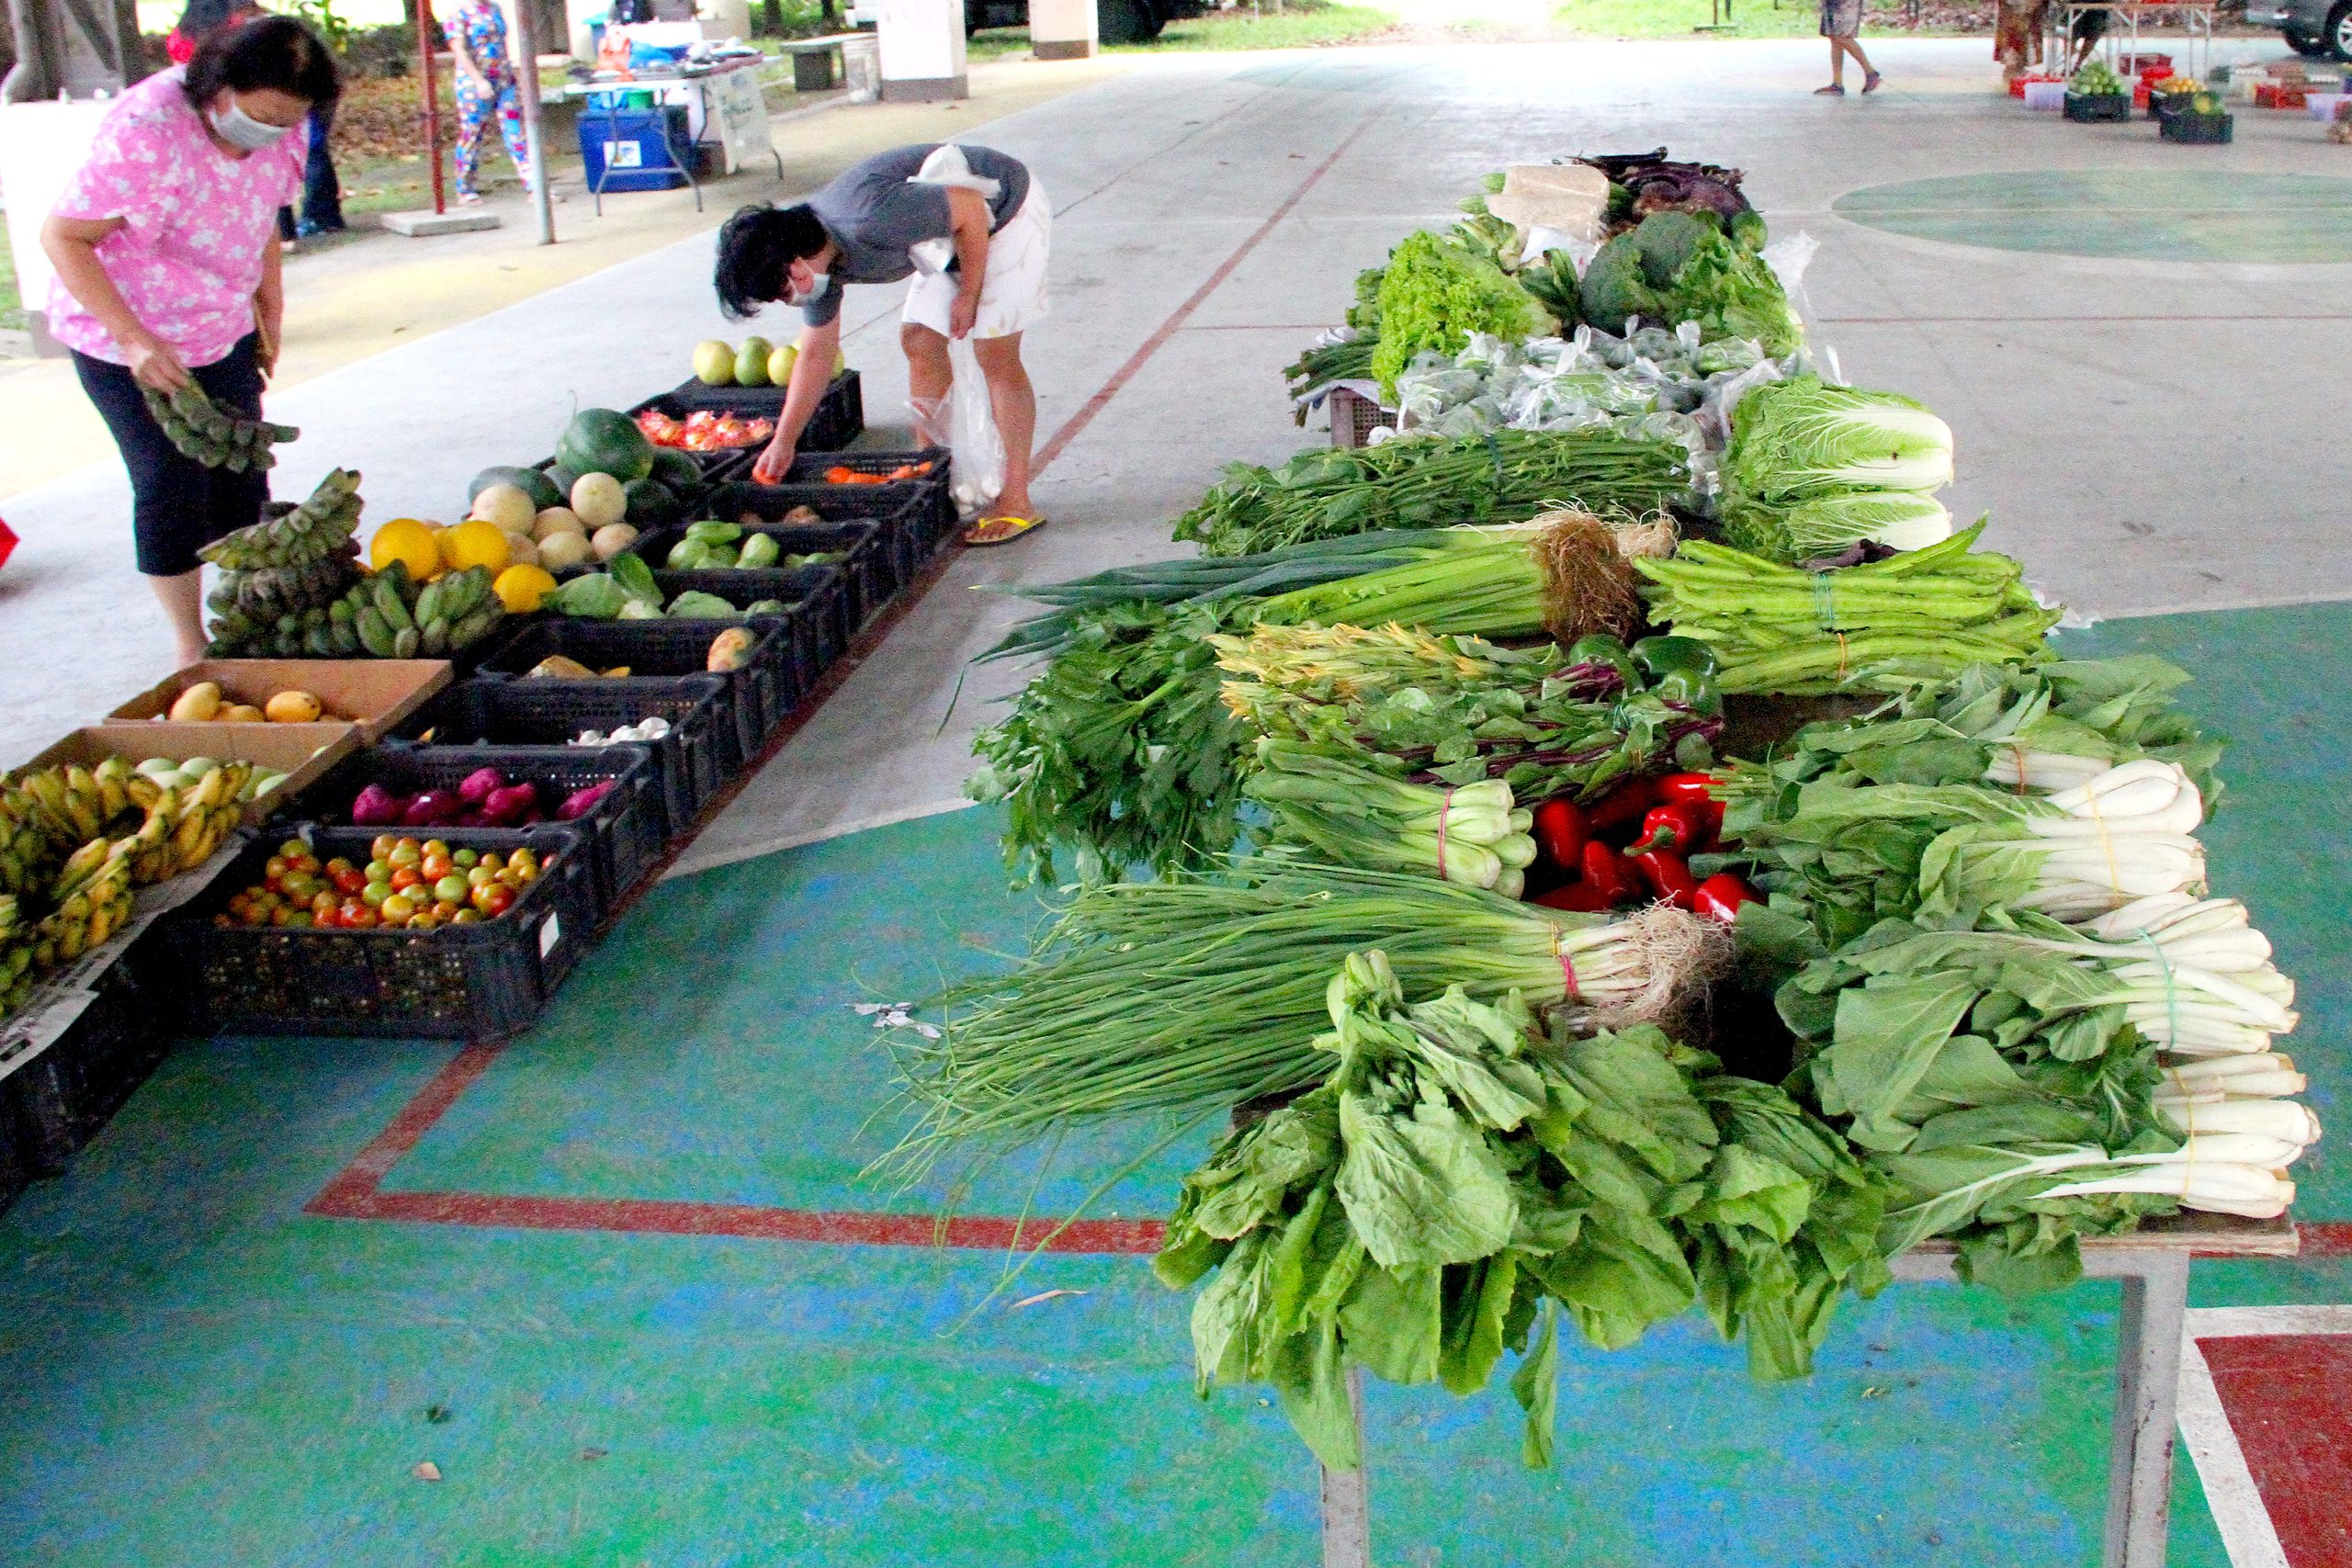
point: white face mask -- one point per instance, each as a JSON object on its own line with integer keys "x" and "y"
{"x": 238, "y": 129}
{"x": 796, "y": 295}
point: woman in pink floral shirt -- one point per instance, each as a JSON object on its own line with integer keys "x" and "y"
{"x": 166, "y": 251}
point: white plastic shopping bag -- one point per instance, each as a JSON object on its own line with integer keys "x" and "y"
{"x": 964, "y": 422}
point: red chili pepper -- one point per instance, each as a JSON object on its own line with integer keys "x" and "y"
{"x": 1620, "y": 811}
{"x": 1669, "y": 878}
{"x": 1695, "y": 790}
{"x": 1675, "y": 826}
{"x": 1581, "y": 896}
{"x": 1720, "y": 896}
{"x": 1560, "y": 832}
{"x": 1611, "y": 878}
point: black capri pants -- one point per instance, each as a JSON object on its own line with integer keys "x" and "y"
{"x": 178, "y": 505}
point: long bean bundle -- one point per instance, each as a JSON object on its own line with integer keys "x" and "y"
{"x": 1781, "y": 629}
{"x": 1192, "y": 995}
{"x": 1421, "y": 482}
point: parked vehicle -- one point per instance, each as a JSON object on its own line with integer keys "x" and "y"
{"x": 2316, "y": 27}
{"x": 1122, "y": 21}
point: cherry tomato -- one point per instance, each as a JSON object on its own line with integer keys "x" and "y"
{"x": 466, "y": 860}
{"x": 405, "y": 877}
{"x": 451, "y": 888}
{"x": 405, "y": 852}
{"x": 348, "y": 881}
{"x": 398, "y": 907}
{"x": 494, "y": 900}
{"x": 293, "y": 849}
{"x": 381, "y": 847}
{"x": 274, "y": 869}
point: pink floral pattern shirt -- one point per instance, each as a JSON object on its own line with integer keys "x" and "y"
{"x": 197, "y": 222}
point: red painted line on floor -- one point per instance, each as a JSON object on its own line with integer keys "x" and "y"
{"x": 357, "y": 1181}
{"x": 1169, "y": 328}
{"x": 2286, "y": 1395}
{"x": 646, "y": 1217}
{"x": 2326, "y": 1238}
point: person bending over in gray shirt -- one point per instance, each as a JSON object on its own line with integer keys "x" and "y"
{"x": 977, "y": 250}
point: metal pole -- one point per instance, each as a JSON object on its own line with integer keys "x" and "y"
{"x": 2147, "y": 1395}
{"x": 526, "y": 86}
{"x": 1347, "y": 1495}
{"x": 432, "y": 101}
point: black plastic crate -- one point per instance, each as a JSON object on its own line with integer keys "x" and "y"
{"x": 628, "y": 829}
{"x": 2207, "y": 129}
{"x": 840, "y": 418}
{"x": 920, "y": 519}
{"x": 2098, "y": 108}
{"x": 68, "y": 1093}
{"x": 695, "y": 759}
{"x": 471, "y": 982}
{"x": 937, "y": 500}
{"x": 819, "y": 595}
{"x": 760, "y": 693}
{"x": 868, "y": 552}
{"x": 16, "y": 1173}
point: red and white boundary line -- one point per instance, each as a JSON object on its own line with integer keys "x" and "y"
{"x": 2231, "y": 1494}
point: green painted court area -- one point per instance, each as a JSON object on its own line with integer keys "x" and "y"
{"x": 193, "y": 1372}
{"x": 2195, "y": 215}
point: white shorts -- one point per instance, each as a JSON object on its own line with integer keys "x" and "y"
{"x": 1012, "y": 294}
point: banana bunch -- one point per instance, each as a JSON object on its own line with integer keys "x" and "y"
{"x": 15, "y": 956}
{"x": 71, "y": 805}
{"x": 313, "y": 531}
{"x": 393, "y": 617}
{"x": 215, "y": 436}
{"x": 93, "y": 901}
{"x": 27, "y": 849}
{"x": 184, "y": 826}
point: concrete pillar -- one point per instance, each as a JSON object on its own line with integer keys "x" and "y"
{"x": 1063, "y": 30}
{"x": 921, "y": 43}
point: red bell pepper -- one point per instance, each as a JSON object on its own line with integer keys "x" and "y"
{"x": 1581, "y": 896}
{"x": 1669, "y": 878}
{"x": 1720, "y": 896}
{"x": 1610, "y": 876}
{"x": 1697, "y": 791}
{"x": 1678, "y": 826}
{"x": 1618, "y": 813}
{"x": 1561, "y": 830}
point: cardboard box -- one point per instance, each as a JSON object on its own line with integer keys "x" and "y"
{"x": 374, "y": 693}
{"x": 304, "y": 751}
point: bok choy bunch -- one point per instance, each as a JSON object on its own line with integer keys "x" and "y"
{"x": 1814, "y": 467}
{"x": 1456, "y": 1183}
{"x": 1847, "y": 854}
{"x": 1344, "y": 813}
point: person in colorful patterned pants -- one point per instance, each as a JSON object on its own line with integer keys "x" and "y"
{"x": 486, "y": 91}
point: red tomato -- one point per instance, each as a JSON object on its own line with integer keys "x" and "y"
{"x": 349, "y": 881}
{"x": 433, "y": 868}
{"x": 404, "y": 877}
{"x": 495, "y": 900}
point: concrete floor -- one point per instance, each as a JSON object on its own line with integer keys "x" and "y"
{"x": 608, "y": 1280}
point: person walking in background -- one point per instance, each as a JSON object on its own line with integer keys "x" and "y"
{"x": 486, "y": 92}
{"x": 167, "y": 257}
{"x": 2016, "y": 36}
{"x": 1840, "y": 20}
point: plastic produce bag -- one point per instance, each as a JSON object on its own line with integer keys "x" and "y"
{"x": 964, "y": 424}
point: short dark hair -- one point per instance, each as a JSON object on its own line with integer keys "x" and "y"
{"x": 755, "y": 248}
{"x": 268, "y": 51}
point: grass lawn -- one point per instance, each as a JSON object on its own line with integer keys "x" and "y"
{"x": 1750, "y": 18}
{"x": 12, "y": 304}
{"x": 1300, "y": 24}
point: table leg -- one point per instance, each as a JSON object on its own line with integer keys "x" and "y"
{"x": 1347, "y": 1497}
{"x": 604, "y": 163}
{"x": 2147, "y": 1395}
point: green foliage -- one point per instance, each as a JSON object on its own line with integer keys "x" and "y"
{"x": 1679, "y": 267}
{"x": 1435, "y": 294}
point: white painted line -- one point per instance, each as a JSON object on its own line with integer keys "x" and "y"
{"x": 690, "y": 863}
{"x": 2231, "y": 1494}
{"x": 2239, "y": 1322}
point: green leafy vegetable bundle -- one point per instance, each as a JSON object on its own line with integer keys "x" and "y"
{"x": 1435, "y": 294}
{"x": 2007, "y": 1081}
{"x": 1193, "y": 994}
{"x": 1679, "y": 267}
{"x": 1457, "y": 1181}
{"x": 1776, "y": 628}
{"x": 1332, "y": 805}
{"x": 1319, "y": 367}
{"x": 1812, "y": 467}
{"x": 1508, "y": 477}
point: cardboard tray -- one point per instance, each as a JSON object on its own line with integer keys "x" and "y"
{"x": 304, "y": 751}
{"x": 374, "y": 693}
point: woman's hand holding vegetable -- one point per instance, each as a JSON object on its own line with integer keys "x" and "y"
{"x": 152, "y": 362}
{"x": 774, "y": 461}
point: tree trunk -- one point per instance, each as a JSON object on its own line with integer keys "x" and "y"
{"x": 772, "y": 16}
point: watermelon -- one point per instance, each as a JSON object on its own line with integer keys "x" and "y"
{"x": 677, "y": 469}
{"x": 604, "y": 441}
{"x": 532, "y": 483}
{"x": 651, "y": 504}
{"x": 564, "y": 478}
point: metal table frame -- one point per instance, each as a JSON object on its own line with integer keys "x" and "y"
{"x": 2153, "y": 1264}
{"x": 2196, "y": 16}
{"x": 589, "y": 92}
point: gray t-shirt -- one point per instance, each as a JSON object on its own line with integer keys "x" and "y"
{"x": 875, "y": 217}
